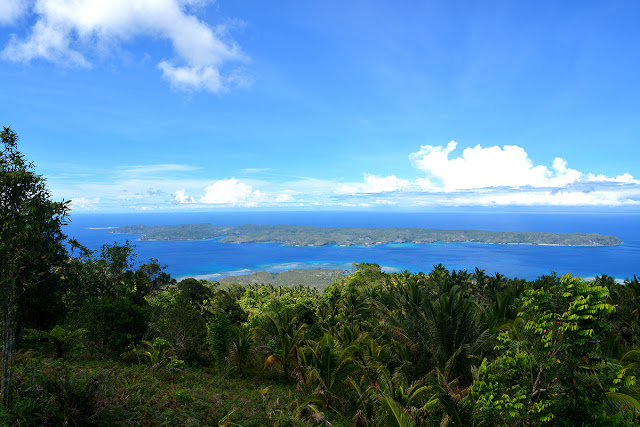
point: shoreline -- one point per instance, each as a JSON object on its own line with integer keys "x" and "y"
{"x": 364, "y": 245}
{"x": 310, "y": 236}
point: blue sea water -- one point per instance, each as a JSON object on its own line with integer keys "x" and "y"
{"x": 211, "y": 259}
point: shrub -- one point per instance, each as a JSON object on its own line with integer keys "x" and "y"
{"x": 113, "y": 322}
{"x": 183, "y": 327}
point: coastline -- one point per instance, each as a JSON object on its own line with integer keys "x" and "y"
{"x": 365, "y": 245}
{"x": 313, "y": 236}
{"x": 207, "y": 258}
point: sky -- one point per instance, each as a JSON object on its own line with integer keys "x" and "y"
{"x": 181, "y": 105}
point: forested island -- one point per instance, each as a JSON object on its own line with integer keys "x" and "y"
{"x": 303, "y": 235}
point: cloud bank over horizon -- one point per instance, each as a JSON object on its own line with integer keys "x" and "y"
{"x": 71, "y": 32}
{"x": 487, "y": 177}
{"x": 479, "y": 167}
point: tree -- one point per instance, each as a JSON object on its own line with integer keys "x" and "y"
{"x": 441, "y": 321}
{"x": 114, "y": 322}
{"x": 31, "y": 240}
{"x": 111, "y": 274}
{"x": 551, "y": 368}
{"x": 327, "y": 366}
{"x": 287, "y": 338}
{"x": 179, "y": 320}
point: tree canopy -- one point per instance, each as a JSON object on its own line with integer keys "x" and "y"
{"x": 32, "y": 241}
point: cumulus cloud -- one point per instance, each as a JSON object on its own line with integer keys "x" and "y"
{"x": 65, "y": 31}
{"x": 491, "y": 176}
{"x": 479, "y": 167}
{"x": 231, "y": 192}
{"x": 235, "y": 193}
{"x": 625, "y": 178}
{"x": 181, "y": 197}
{"x": 491, "y": 167}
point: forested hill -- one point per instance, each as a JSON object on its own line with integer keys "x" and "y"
{"x": 300, "y": 235}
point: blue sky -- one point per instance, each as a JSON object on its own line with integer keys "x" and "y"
{"x": 200, "y": 105}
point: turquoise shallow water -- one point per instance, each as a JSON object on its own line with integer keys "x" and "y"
{"x": 210, "y": 259}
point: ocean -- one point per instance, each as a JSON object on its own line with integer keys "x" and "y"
{"x": 211, "y": 260}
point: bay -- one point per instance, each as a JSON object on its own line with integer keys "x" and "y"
{"x": 210, "y": 259}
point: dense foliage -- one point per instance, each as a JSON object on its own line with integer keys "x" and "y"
{"x": 374, "y": 348}
{"x": 31, "y": 246}
{"x": 106, "y": 340}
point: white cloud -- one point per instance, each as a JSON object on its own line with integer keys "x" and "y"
{"x": 192, "y": 78}
{"x": 378, "y": 184}
{"x": 162, "y": 168}
{"x": 181, "y": 197}
{"x": 599, "y": 195}
{"x": 12, "y": 10}
{"x": 625, "y": 178}
{"x": 565, "y": 197}
{"x": 172, "y": 186}
{"x": 255, "y": 170}
{"x": 285, "y": 197}
{"x": 510, "y": 166}
{"x": 425, "y": 184}
{"x": 232, "y": 192}
{"x": 491, "y": 176}
{"x": 83, "y": 203}
{"x": 66, "y": 31}
{"x": 373, "y": 184}
{"x": 480, "y": 167}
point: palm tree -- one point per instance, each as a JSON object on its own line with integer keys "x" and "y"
{"x": 455, "y": 333}
{"x": 328, "y": 366}
{"x": 403, "y": 402}
{"x": 354, "y": 308}
{"x": 439, "y": 322}
{"x": 241, "y": 348}
{"x": 287, "y": 338}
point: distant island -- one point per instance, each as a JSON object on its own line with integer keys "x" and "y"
{"x": 302, "y": 235}
{"x": 318, "y": 278}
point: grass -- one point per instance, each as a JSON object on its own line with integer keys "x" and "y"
{"x": 52, "y": 392}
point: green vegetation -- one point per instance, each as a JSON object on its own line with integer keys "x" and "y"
{"x": 122, "y": 343}
{"x": 318, "y": 278}
{"x": 373, "y": 348}
{"x": 301, "y": 235}
{"x": 30, "y": 243}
